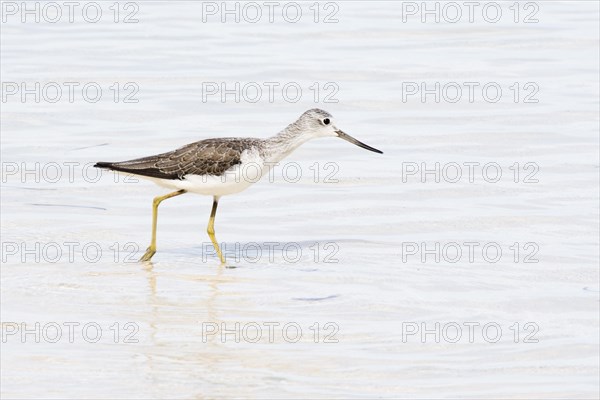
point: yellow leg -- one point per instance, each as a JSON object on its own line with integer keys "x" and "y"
{"x": 157, "y": 200}
{"x": 211, "y": 229}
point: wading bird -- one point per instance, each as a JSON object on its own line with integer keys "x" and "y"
{"x": 216, "y": 166}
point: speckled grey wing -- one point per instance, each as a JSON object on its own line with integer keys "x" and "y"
{"x": 206, "y": 157}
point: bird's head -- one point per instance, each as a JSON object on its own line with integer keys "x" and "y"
{"x": 319, "y": 123}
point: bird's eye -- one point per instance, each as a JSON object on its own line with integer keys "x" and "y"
{"x": 326, "y": 121}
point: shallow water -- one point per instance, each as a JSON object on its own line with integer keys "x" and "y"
{"x": 349, "y": 260}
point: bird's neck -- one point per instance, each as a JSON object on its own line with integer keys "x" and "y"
{"x": 285, "y": 142}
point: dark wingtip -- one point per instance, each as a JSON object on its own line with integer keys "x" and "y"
{"x": 102, "y": 164}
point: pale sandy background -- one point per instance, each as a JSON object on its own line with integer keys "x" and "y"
{"x": 370, "y": 293}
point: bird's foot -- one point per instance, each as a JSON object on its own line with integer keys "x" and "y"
{"x": 150, "y": 251}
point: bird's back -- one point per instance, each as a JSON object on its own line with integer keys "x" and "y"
{"x": 205, "y": 157}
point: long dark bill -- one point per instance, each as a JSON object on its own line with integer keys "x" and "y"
{"x": 350, "y": 139}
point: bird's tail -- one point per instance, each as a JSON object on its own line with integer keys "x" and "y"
{"x": 103, "y": 164}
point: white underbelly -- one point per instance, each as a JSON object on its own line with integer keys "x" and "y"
{"x": 203, "y": 184}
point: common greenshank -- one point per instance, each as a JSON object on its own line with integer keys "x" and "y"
{"x": 216, "y": 166}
